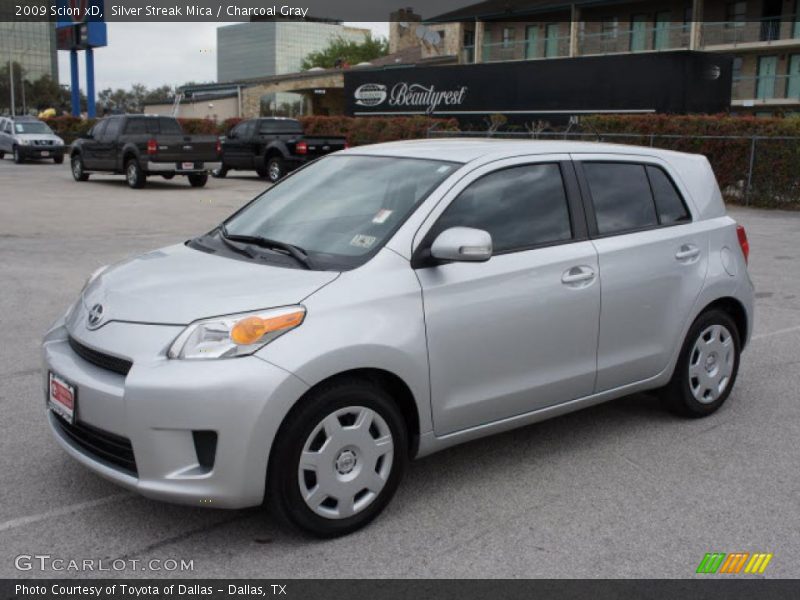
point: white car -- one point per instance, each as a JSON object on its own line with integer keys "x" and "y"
{"x": 28, "y": 137}
{"x": 388, "y": 301}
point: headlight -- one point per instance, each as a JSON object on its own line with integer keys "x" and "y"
{"x": 24, "y": 141}
{"x": 58, "y": 142}
{"x": 235, "y": 335}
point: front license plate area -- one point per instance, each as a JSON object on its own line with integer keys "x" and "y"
{"x": 62, "y": 397}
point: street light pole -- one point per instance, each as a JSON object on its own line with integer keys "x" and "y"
{"x": 11, "y": 68}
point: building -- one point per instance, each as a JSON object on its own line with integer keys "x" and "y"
{"x": 214, "y": 105}
{"x": 763, "y": 36}
{"x": 30, "y": 44}
{"x": 265, "y": 48}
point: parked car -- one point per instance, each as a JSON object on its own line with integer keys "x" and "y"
{"x": 138, "y": 146}
{"x": 272, "y": 147}
{"x": 389, "y": 301}
{"x": 28, "y": 137}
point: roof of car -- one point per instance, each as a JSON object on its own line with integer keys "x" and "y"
{"x": 23, "y": 118}
{"x": 465, "y": 150}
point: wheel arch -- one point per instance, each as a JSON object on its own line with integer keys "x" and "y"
{"x": 733, "y": 308}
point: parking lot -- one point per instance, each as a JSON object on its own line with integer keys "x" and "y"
{"x": 619, "y": 490}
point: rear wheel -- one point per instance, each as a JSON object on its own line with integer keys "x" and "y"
{"x": 78, "y": 172}
{"x": 198, "y": 179}
{"x": 2, "y": 155}
{"x": 707, "y": 366}
{"x": 275, "y": 168}
{"x": 18, "y": 158}
{"x": 219, "y": 172}
{"x": 338, "y": 458}
{"x": 134, "y": 174}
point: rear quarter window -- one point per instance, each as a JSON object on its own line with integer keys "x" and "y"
{"x": 621, "y": 196}
{"x": 669, "y": 204}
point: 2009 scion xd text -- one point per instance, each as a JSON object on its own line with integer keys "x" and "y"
{"x": 385, "y": 302}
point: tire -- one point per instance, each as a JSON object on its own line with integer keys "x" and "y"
{"x": 18, "y": 158}
{"x": 707, "y": 366}
{"x": 78, "y": 172}
{"x": 219, "y": 173}
{"x": 275, "y": 168}
{"x": 2, "y": 155}
{"x": 168, "y": 176}
{"x": 134, "y": 174}
{"x": 362, "y": 475}
{"x": 198, "y": 179}
{"x": 58, "y": 159}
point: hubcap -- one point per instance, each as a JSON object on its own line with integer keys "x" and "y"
{"x": 274, "y": 171}
{"x": 346, "y": 462}
{"x": 131, "y": 174}
{"x": 711, "y": 363}
{"x": 76, "y": 168}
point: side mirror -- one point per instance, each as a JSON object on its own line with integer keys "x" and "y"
{"x": 462, "y": 244}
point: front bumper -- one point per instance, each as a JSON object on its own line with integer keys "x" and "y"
{"x": 171, "y": 167}
{"x": 161, "y": 405}
{"x": 34, "y": 151}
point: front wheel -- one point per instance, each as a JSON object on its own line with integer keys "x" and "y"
{"x": 338, "y": 458}
{"x": 18, "y": 158}
{"x": 198, "y": 179}
{"x": 134, "y": 174}
{"x": 275, "y": 168}
{"x": 707, "y": 366}
{"x": 78, "y": 171}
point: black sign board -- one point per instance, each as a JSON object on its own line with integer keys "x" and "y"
{"x": 678, "y": 82}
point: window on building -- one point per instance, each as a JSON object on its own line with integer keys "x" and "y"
{"x": 669, "y": 204}
{"x": 687, "y": 17}
{"x": 735, "y": 14}
{"x": 766, "y": 77}
{"x": 521, "y": 207}
{"x": 551, "y": 40}
{"x": 508, "y": 37}
{"x": 609, "y": 28}
{"x": 793, "y": 80}
{"x": 621, "y": 197}
{"x": 638, "y": 33}
{"x": 662, "y": 30}
{"x": 796, "y": 28}
{"x": 532, "y": 41}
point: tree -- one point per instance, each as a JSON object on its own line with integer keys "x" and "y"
{"x": 39, "y": 95}
{"x": 341, "y": 51}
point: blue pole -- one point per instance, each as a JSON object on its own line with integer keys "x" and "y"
{"x": 90, "y": 107}
{"x": 74, "y": 83}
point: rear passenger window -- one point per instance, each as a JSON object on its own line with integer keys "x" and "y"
{"x": 135, "y": 126}
{"x": 170, "y": 126}
{"x": 520, "y": 207}
{"x": 621, "y": 197}
{"x": 669, "y": 203}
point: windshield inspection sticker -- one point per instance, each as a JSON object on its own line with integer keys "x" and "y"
{"x": 362, "y": 241}
{"x": 381, "y": 216}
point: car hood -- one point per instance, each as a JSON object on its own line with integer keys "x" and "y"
{"x": 178, "y": 285}
{"x": 37, "y": 136}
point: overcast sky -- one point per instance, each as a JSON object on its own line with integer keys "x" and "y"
{"x": 159, "y": 53}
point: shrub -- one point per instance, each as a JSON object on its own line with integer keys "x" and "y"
{"x": 372, "y": 130}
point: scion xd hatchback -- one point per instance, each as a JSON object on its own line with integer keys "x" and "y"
{"x": 386, "y": 302}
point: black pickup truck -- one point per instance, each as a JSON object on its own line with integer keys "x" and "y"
{"x": 142, "y": 145}
{"x": 272, "y": 146}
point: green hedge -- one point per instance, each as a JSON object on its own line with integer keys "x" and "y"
{"x": 775, "y": 177}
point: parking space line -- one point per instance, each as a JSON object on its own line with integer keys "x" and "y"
{"x": 777, "y": 332}
{"x": 64, "y": 510}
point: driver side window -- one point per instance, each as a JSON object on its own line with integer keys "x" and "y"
{"x": 521, "y": 207}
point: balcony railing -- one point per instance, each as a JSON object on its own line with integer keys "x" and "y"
{"x": 540, "y": 47}
{"x": 767, "y": 87}
{"x": 737, "y": 33}
{"x": 661, "y": 36}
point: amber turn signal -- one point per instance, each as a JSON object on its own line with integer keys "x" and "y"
{"x": 251, "y": 329}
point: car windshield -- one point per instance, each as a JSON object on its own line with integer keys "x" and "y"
{"x": 31, "y": 127}
{"x": 339, "y": 210}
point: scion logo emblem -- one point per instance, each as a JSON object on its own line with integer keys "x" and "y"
{"x": 95, "y": 316}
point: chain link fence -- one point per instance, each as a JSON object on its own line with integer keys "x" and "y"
{"x": 751, "y": 170}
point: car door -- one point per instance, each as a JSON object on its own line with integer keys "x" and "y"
{"x": 235, "y": 145}
{"x": 653, "y": 261}
{"x": 105, "y": 147}
{"x": 89, "y": 145}
{"x": 519, "y": 332}
{"x": 4, "y": 136}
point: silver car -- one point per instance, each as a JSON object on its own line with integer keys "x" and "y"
{"x": 389, "y": 301}
{"x": 28, "y": 137}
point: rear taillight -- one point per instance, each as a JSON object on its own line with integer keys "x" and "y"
{"x": 301, "y": 148}
{"x": 743, "y": 243}
{"x": 152, "y": 146}
{"x": 218, "y": 147}
{"x": 346, "y": 144}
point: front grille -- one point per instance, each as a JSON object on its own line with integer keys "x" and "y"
{"x": 42, "y": 143}
{"x": 103, "y": 445}
{"x": 100, "y": 359}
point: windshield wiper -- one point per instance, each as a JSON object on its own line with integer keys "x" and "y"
{"x": 296, "y": 252}
{"x": 236, "y": 249}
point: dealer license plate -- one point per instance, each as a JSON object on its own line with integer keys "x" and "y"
{"x": 61, "y": 397}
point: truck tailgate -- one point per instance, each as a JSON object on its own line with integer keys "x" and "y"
{"x": 318, "y": 145}
{"x": 185, "y": 148}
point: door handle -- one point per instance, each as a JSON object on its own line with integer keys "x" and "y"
{"x": 577, "y": 275}
{"x": 687, "y": 252}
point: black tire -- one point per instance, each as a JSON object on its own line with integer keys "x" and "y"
{"x": 168, "y": 176}
{"x": 134, "y": 175}
{"x": 2, "y": 155}
{"x": 58, "y": 159}
{"x": 275, "y": 168}
{"x": 678, "y": 394}
{"x": 284, "y": 495}
{"x": 78, "y": 171}
{"x": 220, "y": 172}
{"x": 18, "y": 158}
{"x": 198, "y": 179}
